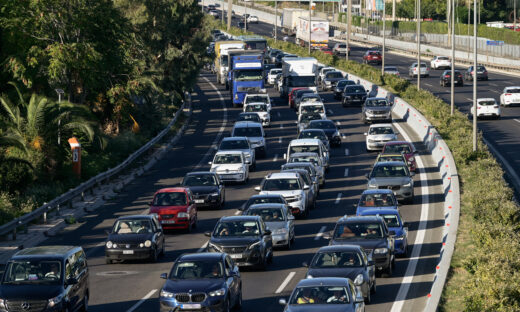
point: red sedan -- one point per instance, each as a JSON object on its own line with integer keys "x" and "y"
{"x": 291, "y": 96}
{"x": 405, "y": 148}
{"x": 175, "y": 208}
{"x": 326, "y": 50}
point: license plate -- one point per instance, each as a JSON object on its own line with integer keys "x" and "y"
{"x": 199, "y": 201}
{"x": 128, "y": 252}
{"x": 189, "y": 306}
{"x": 236, "y": 256}
{"x": 167, "y": 221}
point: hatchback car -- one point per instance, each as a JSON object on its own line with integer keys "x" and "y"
{"x": 440, "y": 62}
{"x": 330, "y": 129}
{"x": 253, "y": 117}
{"x": 307, "y": 166}
{"x": 510, "y": 96}
{"x": 340, "y": 87}
{"x": 487, "y": 107}
{"x": 242, "y": 144}
{"x": 424, "y": 70}
{"x": 327, "y": 50}
{"x": 309, "y": 146}
{"x": 252, "y": 19}
{"x": 405, "y": 148}
{"x": 353, "y": 95}
{"x": 258, "y": 98}
{"x": 231, "y": 166}
{"x": 482, "y": 73}
{"x": 312, "y": 158}
{"x": 296, "y": 94}
{"x": 394, "y": 176}
{"x": 331, "y": 79}
{"x": 206, "y": 188}
{"x": 395, "y": 223}
{"x": 201, "y": 282}
{"x": 340, "y": 49}
{"x": 254, "y": 133}
{"x": 311, "y": 105}
{"x": 279, "y": 219}
{"x": 263, "y": 199}
{"x": 175, "y": 208}
{"x": 445, "y": 79}
{"x": 376, "y": 109}
{"x": 134, "y": 238}
{"x": 378, "y": 135}
{"x": 372, "y": 57}
{"x": 377, "y": 198}
{"x": 323, "y": 71}
{"x": 312, "y": 192}
{"x": 315, "y": 134}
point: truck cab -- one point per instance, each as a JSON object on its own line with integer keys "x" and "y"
{"x": 246, "y": 76}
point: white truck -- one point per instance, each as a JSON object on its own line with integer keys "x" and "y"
{"x": 298, "y": 72}
{"x": 222, "y": 49}
{"x": 290, "y": 20}
{"x": 319, "y": 32}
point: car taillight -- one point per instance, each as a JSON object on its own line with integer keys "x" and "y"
{"x": 447, "y": 76}
{"x": 507, "y": 94}
{"x": 479, "y": 107}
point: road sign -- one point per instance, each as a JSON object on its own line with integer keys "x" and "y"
{"x": 494, "y": 43}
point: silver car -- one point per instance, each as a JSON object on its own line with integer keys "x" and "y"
{"x": 395, "y": 176}
{"x": 312, "y": 158}
{"x": 309, "y": 167}
{"x": 279, "y": 219}
{"x": 312, "y": 192}
{"x": 376, "y": 109}
{"x": 239, "y": 144}
{"x": 424, "y": 70}
{"x": 378, "y": 135}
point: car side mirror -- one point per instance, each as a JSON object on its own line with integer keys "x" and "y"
{"x": 305, "y": 264}
{"x": 391, "y": 233}
{"x": 282, "y": 301}
{"x": 327, "y": 236}
{"x": 208, "y": 234}
{"x": 232, "y": 274}
{"x": 257, "y": 188}
{"x": 72, "y": 281}
{"x": 164, "y": 275}
{"x": 306, "y": 187}
{"x": 267, "y": 232}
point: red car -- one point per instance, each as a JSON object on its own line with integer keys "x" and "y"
{"x": 291, "y": 96}
{"x": 372, "y": 56}
{"x": 405, "y": 148}
{"x": 326, "y": 50}
{"x": 175, "y": 208}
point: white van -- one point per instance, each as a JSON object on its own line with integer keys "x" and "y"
{"x": 312, "y": 107}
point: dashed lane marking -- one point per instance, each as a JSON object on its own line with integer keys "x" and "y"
{"x": 138, "y": 303}
{"x": 346, "y": 172}
{"x": 338, "y": 198}
{"x": 320, "y": 233}
{"x": 285, "y": 282}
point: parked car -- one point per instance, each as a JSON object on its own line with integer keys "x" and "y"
{"x": 394, "y": 176}
{"x": 487, "y": 107}
{"x": 135, "y": 237}
{"x": 206, "y": 187}
{"x": 330, "y": 129}
{"x": 312, "y": 158}
{"x": 46, "y": 278}
{"x": 239, "y": 144}
{"x": 231, "y": 166}
{"x": 340, "y": 87}
{"x": 279, "y": 219}
{"x": 304, "y": 120}
{"x": 378, "y": 135}
{"x": 440, "y": 62}
{"x": 340, "y": 49}
{"x": 272, "y": 75}
{"x": 254, "y": 133}
{"x": 348, "y": 261}
{"x": 201, "y": 281}
{"x": 372, "y": 57}
{"x": 315, "y": 134}
{"x": 376, "y": 198}
{"x": 331, "y": 79}
{"x": 327, "y": 50}
{"x": 482, "y": 73}
{"x": 253, "y": 117}
{"x": 263, "y": 199}
{"x": 424, "y": 70}
{"x": 262, "y": 110}
{"x": 445, "y": 79}
{"x": 392, "y": 70}
{"x": 352, "y": 95}
{"x": 510, "y": 96}
{"x": 376, "y": 109}
{"x": 246, "y": 239}
{"x": 175, "y": 208}
{"x": 395, "y": 223}
{"x": 405, "y": 148}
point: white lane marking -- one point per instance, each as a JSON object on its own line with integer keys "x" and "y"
{"x": 346, "y": 172}
{"x": 331, "y": 112}
{"x": 496, "y": 91}
{"x": 203, "y": 161}
{"x": 201, "y": 249}
{"x": 338, "y": 123}
{"x": 278, "y": 114}
{"x": 320, "y": 233}
{"x": 280, "y": 140}
{"x": 237, "y": 212}
{"x": 493, "y": 84}
{"x": 510, "y": 170}
{"x": 346, "y": 152}
{"x": 138, "y": 303}
{"x": 517, "y": 120}
{"x": 469, "y": 99}
{"x": 338, "y": 198}
{"x": 343, "y": 136}
{"x": 275, "y": 158}
{"x": 285, "y": 282}
{"x": 281, "y": 126}
{"x": 429, "y": 85}
{"x": 400, "y": 298}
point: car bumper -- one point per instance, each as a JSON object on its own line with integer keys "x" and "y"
{"x": 172, "y": 224}
{"x": 280, "y": 240}
{"x": 328, "y": 87}
{"x": 354, "y": 101}
{"x": 297, "y": 207}
{"x": 375, "y": 145}
{"x": 400, "y": 246}
{"x": 382, "y": 262}
{"x": 232, "y": 177}
{"x": 208, "y": 201}
{"x": 378, "y": 117}
{"x": 128, "y": 254}
{"x": 209, "y": 305}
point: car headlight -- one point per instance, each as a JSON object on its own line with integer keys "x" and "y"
{"x": 254, "y": 245}
{"x": 166, "y": 294}
{"x": 327, "y": 82}
{"x": 211, "y": 245}
{"x": 218, "y": 292}
{"x": 409, "y": 184}
{"x": 280, "y": 231}
{"x": 55, "y": 301}
{"x": 182, "y": 215}
{"x": 380, "y": 250}
{"x": 109, "y": 244}
{"x": 369, "y": 112}
{"x": 148, "y": 243}
{"x": 309, "y": 276}
{"x": 336, "y": 134}
{"x": 298, "y": 197}
{"x": 2, "y": 304}
{"x": 370, "y": 141}
{"x": 412, "y": 158}
{"x": 214, "y": 194}
{"x": 359, "y": 280}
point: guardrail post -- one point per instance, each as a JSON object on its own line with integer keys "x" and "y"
{"x": 45, "y": 217}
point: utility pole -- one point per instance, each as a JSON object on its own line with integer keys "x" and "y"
{"x": 452, "y": 17}
{"x": 245, "y": 16}
{"x": 222, "y": 13}
{"x": 418, "y": 4}
{"x": 474, "y": 80}
{"x": 229, "y": 14}
{"x": 275, "y": 20}
{"x": 384, "y": 39}
{"x": 349, "y": 25}
{"x": 60, "y": 92}
{"x": 514, "y": 15}
{"x": 393, "y": 10}
{"x": 310, "y": 23}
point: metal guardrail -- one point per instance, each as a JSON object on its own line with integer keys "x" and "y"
{"x": 65, "y": 199}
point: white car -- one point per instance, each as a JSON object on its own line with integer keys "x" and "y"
{"x": 254, "y": 133}
{"x": 252, "y": 19}
{"x": 487, "y": 107}
{"x": 312, "y": 107}
{"x": 309, "y": 146}
{"x": 258, "y": 98}
{"x": 378, "y": 135}
{"x": 262, "y": 110}
{"x": 214, "y": 13}
{"x": 271, "y": 76}
{"x": 510, "y": 96}
{"x": 239, "y": 144}
{"x": 231, "y": 166}
{"x": 440, "y": 62}
{"x": 425, "y": 70}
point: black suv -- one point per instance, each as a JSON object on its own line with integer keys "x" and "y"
{"x": 446, "y": 78}
{"x": 354, "y": 95}
{"x": 372, "y": 234}
{"x": 207, "y": 189}
{"x": 245, "y": 238}
{"x": 47, "y": 278}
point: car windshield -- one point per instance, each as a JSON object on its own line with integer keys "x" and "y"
{"x": 256, "y": 99}
{"x": 301, "y": 81}
{"x": 33, "y": 272}
{"x": 443, "y": 58}
{"x": 227, "y": 159}
{"x": 304, "y": 149}
{"x": 281, "y": 185}
{"x": 249, "y": 117}
{"x": 200, "y": 180}
{"x": 132, "y": 227}
{"x": 512, "y": 90}
{"x": 300, "y": 94}
{"x": 320, "y": 295}
{"x": 312, "y": 135}
{"x": 267, "y": 214}
{"x": 377, "y": 200}
{"x": 236, "y": 228}
{"x": 487, "y": 103}
{"x": 391, "y": 220}
{"x": 264, "y": 200}
{"x": 256, "y": 108}
{"x": 308, "y": 117}
{"x": 374, "y": 53}
{"x": 248, "y": 132}
{"x": 398, "y": 148}
{"x": 318, "y": 108}
{"x": 170, "y": 199}
{"x": 185, "y": 270}
{"x": 334, "y": 75}
{"x": 381, "y": 130}
{"x": 385, "y": 158}
{"x": 248, "y": 74}
{"x": 224, "y": 60}
{"x": 355, "y": 90}
{"x": 358, "y": 230}
{"x": 322, "y": 125}
{"x": 383, "y": 171}
{"x": 337, "y": 259}
{"x": 377, "y": 103}
{"x": 311, "y": 159}
{"x": 342, "y": 83}
{"x": 481, "y": 68}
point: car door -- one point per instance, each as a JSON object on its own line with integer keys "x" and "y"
{"x": 267, "y": 240}
{"x": 81, "y": 274}
{"x": 232, "y": 279}
{"x": 290, "y": 220}
{"x": 73, "y": 289}
{"x": 371, "y": 269}
{"x": 221, "y": 187}
{"x": 325, "y": 154}
{"x": 159, "y": 235}
{"x": 192, "y": 208}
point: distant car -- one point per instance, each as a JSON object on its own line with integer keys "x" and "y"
{"x": 253, "y": 117}
{"x": 487, "y": 107}
{"x": 201, "y": 281}
{"x": 378, "y": 135}
{"x": 372, "y": 57}
{"x": 214, "y": 13}
{"x": 424, "y": 70}
{"x": 340, "y": 49}
{"x": 327, "y": 50}
{"x": 330, "y": 129}
{"x": 376, "y": 109}
{"x": 135, "y": 237}
{"x": 262, "y": 110}
{"x": 331, "y": 79}
{"x": 352, "y": 95}
{"x": 445, "y": 79}
{"x": 239, "y": 144}
{"x": 272, "y": 75}
{"x": 324, "y": 294}
{"x": 246, "y": 239}
{"x": 348, "y": 261}
{"x": 406, "y": 149}
{"x": 305, "y": 119}
{"x": 252, "y": 19}
{"x": 340, "y": 87}
{"x": 175, "y": 208}
{"x": 307, "y": 97}
{"x": 323, "y": 71}
{"x": 395, "y": 223}
{"x": 207, "y": 189}
{"x": 258, "y": 98}
{"x": 231, "y": 166}
{"x": 254, "y": 133}
{"x": 312, "y": 158}
{"x": 392, "y": 70}
{"x": 279, "y": 219}
{"x": 482, "y": 73}
{"x": 510, "y": 96}
{"x": 377, "y": 198}
{"x": 394, "y": 176}
{"x": 440, "y": 62}
{"x": 309, "y": 146}
{"x": 263, "y": 199}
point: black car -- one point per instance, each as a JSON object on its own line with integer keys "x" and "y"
{"x": 249, "y": 117}
{"x": 263, "y": 199}
{"x": 135, "y": 237}
{"x": 330, "y": 129}
{"x": 245, "y": 238}
{"x": 348, "y": 261}
{"x": 482, "y": 73}
{"x": 354, "y": 95}
{"x": 305, "y": 118}
{"x": 340, "y": 87}
{"x": 372, "y": 234}
{"x": 376, "y": 109}
{"x": 446, "y": 78}
{"x": 271, "y": 55}
{"x": 46, "y": 278}
{"x": 202, "y": 282}
{"x": 207, "y": 189}
{"x": 331, "y": 79}
{"x": 315, "y": 134}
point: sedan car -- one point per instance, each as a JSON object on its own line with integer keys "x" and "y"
{"x": 309, "y": 167}
{"x": 487, "y": 107}
{"x": 378, "y": 135}
{"x": 424, "y": 70}
{"x": 445, "y": 79}
{"x": 376, "y": 109}
{"x": 135, "y": 237}
{"x": 312, "y": 192}
{"x": 340, "y": 87}
{"x": 252, "y": 19}
{"x": 324, "y": 294}
{"x": 510, "y": 96}
{"x": 482, "y": 73}
{"x": 312, "y": 158}
{"x": 230, "y": 166}
{"x": 175, "y": 207}
{"x": 440, "y": 62}
{"x": 331, "y": 79}
{"x": 348, "y": 261}
{"x": 330, "y": 129}
{"x": 326, "y": 50}
{"x": 315, "y": 134}
{"x": 279, "y": 219}
{"x": 299, "y": 93}
{"x": 405, "y": 148}
{"x": 372, "y": 57}
{"x": 340, "y": 49}
{"x": 353, "y": 95}
{"x": 377, "y": 198}
{"x": 262, "y": 110}
{"x": 395, "y": 223}
{"x": 394, "y": 176}
{"x": 246, "y": 239}
{"x": 201, "y": 282}
{"x": 392, "y": 70}
{"x": 207, "y": 189}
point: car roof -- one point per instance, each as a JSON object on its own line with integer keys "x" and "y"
{"x": 363, "y": 219}
{"x": 391, "y": 163}
{"x": 379, "y": 211}
{"x": 304, "y": 154}
{"x": 236, "y": 138}
{"x": 200, "y": 173}
{"x": 282, "y": 175}
{"x": 298, "y": 164}
{"x": 55, "y": 252}
{"x": 486, "y": 99}
{"x": 231, "y": 152}
{"x": 397, "y": 142}
{"x": 246, "y": 124}
{"x": 240, "y": 218}
{"x": 381, "y": 125}
{"x": 377, "y": 191}
{"x": 304, "y": 142}
{"x": 345, "y": 247}
{"x": 136, "y": 217}
{"x": 267, "y": 205}
{"x": 200, "y": 256}
{"x": 172, "y": 190}
{"x": 323, "y": 281}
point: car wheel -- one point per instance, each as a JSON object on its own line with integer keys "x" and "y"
{"x": 84, "y": 306}
{"x": 195, "y": 222}
{"x": 368, "y": 298}
{"x": 162, "y": 251}
{"x": 288, "y": 246}
{"x": 108, "y": 260}
{"x": 373, "y": 289}
{"x": 389, "y": 270}
{"x": 405, "y": 254}
{"x": 238, "y": 304}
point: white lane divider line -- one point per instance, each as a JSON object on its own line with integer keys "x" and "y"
{"x": 493, "y": 84}
{"x": 280, "y": 140}
{"x": 278, "y": 114}
{"x": 201, "y": 249}
{"x": 517, "y": 120}
{"x": 320, "y": 233}
{"x": 281, "y": 126}
{"x": 285, "y": 282}
{"x": 346, "y": 152}
{"x": 275, "y": 158}
{"x": 338, "y": 198}
{"x": 338, "y": 123}
{"x": 138, "y": 303}
{"x": 469, "y": 99}
{"x": 496, "y": 91}
{"x": 331, "y": 112}
{"x": 429, "y": 85}
{"x": 346, "y": 172}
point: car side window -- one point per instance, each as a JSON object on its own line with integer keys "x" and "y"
{"x": 69, "y": 271}
{"x": 229, "y": 265}
{"x": 80, "y": 264}
{"x": 262, "y": 226}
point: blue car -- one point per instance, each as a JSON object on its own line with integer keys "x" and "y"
{"x": 202, "y": 282}
{"x": 376, "y": 198}
{"x": 395, "y": 223}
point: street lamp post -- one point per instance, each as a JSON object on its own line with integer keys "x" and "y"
{"x": 275, "y": 20}
{"x": 310, "y": 25}
{"x": 418, "y": 44}
{"x": 230, "y": 14}
{"x": 384, "y": 39}
{"x": 452, "y": 86}
{"x": 349, "y": 25}
{"x": 245, "y": 17}
{"x": 474, "y": 76}
{"x": 60, "y": 92}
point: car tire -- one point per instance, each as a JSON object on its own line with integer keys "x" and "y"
{"x": 368, "y": 298}
{"x": 289, "y": 243}
{"x": 373, "y": 289}
{"x": 238, "y": 304}
{"x": 84, "y": 305}
{"x": 389, "y": 270}
{"x": 194, "y": 226}
{"x": 162, "y": 251}
{"x": 108, "y": 260}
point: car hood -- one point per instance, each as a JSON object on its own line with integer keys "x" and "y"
{"x": 379, "y": 108}
{"x": 355, "y": 94}
{"x": 329, "y": 132}
{"x": 398, "y": 230}
{"x": 333, "y": 79}
{"x": 381, "y": 136}
{"x": 202, "y": 190}
{"x": 29, "y": 292}
{"x": 283, "y": 193}
{"x": 226, "y": 167}
{"x": 235, "y": 241}
{"x": 319, "y": 307}
{"x": 255, "y": 139}
{"x": 389, "y": 181}
{"x": 194, "y": 285}
{"x": 365, "y": 243}
{"x": 336, "y": 272}
{"x": 276, "y": 225}
{"x": 129, "y": 238}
